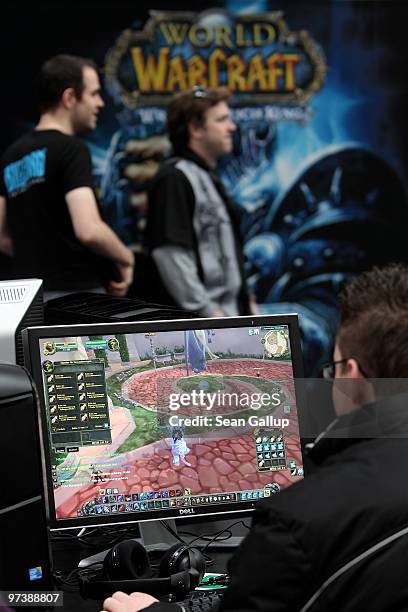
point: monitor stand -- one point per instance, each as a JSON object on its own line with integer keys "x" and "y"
{"x": 154, "y": 537}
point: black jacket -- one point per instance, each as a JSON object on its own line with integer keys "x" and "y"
{"x": 356, "y": 499}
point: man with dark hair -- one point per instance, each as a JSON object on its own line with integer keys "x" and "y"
{"x": 338, "y": 540}
{"x": 374, "y": 322}
{"x": 49, "y": 217}
{"x": 192, "y": 233}
{"x": 57, "y": 74}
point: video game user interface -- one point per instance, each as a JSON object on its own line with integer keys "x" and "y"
{"x": 148, "y": 422}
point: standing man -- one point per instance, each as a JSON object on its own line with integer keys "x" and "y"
{"x": 49, "y": 218}
{"x": 192, "y": 234}
{"x": 338, "y": 539}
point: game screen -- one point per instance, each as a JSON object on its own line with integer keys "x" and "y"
{"x": 175, "y": 419}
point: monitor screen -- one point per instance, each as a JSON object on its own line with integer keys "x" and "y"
{"x": 166, "y": 419}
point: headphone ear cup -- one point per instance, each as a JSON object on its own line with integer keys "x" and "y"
{"x": 179, "y": 558}
{"x": 126, "y": 561}
{"x": 197, "y": 565}
{"x": 169, "y": 563}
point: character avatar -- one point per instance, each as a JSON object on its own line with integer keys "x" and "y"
{"x": 179, "y": 448}
{"x": 48, "y": 366}
{"x": 96, "y": 475}
{"x": 49, "y": 348}
{"x": 113, "y": 344}
{"x": 197, "y": 349}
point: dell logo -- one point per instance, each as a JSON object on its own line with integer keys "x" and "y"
{"x": 187, "y": 511}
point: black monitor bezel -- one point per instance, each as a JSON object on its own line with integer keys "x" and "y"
{"x": 31, "y": 337}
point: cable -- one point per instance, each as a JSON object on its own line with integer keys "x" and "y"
{"x": 206, "y": 537}
{"x": 70, "y": 582}
{"x": 202, "y": 537}
{"x": 173, "y": 533}
{"x": 210, "y": 538}
{"x": 98, "y": 536}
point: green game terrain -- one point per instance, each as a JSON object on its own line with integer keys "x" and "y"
{"x": 147, "y": 429}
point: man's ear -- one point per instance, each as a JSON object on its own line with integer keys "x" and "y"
{"x": 353, "y": 369}
{"x": 68, "y": 98}
{"x": 351, "y": 390}
{"x": 194, "y": 130}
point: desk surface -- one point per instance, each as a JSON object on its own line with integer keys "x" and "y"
{"x": 68, "y": 552}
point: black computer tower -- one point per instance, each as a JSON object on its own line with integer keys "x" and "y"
{"x": 87, "y": 307}
{"x": 24, "y": 544}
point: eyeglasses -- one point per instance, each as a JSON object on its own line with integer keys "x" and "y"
{"x": 199, "y": 91}
{"x": 329, "y": 369}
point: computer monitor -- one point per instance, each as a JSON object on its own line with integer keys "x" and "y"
{"x": 166, "y": 419}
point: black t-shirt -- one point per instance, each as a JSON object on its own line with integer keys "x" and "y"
{"x": 37, "y": 171}
{"x": 171, "y": 210}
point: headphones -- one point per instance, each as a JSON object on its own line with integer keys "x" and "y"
{"x": 126, "y": 568}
